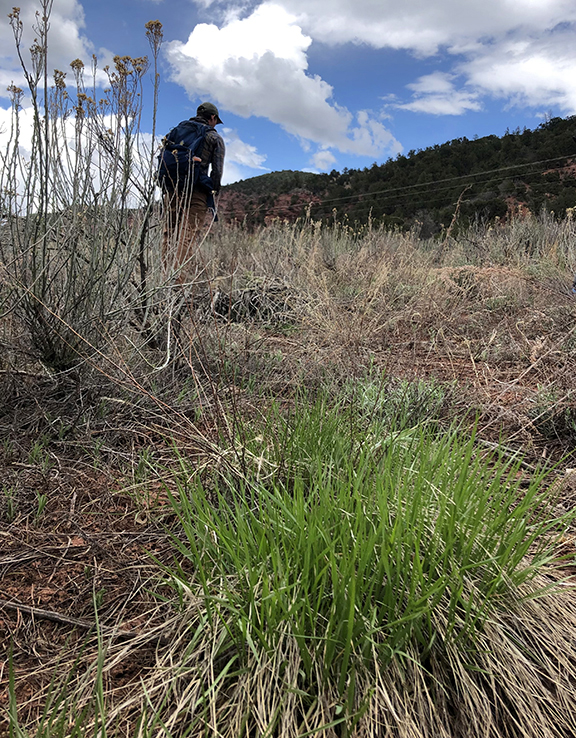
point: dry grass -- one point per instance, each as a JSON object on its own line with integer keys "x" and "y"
{"x": 518, "y": 681}
{"x": 488, "y": 316}
{"x": 119, "y": 389}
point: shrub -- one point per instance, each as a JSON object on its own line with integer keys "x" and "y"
{"x": 75, "y": 211}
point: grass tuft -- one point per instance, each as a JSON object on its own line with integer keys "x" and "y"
{"x": 365, "y": 570}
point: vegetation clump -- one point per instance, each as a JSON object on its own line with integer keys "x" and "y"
{"x": 321, "y": 489}
{"x": 353, "y": 581}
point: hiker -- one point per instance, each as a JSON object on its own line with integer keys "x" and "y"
{"x": 189, "y": 150}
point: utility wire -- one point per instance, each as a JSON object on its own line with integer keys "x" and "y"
{"x": 405, "y": 195}
{"x": 398, "y": 193}
{"x": 366, "y": 202}
{"x": 454, "y": 179}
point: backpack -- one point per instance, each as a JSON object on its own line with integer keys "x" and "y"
{"x": 176, "y": 166}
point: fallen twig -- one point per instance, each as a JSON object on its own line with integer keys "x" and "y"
{"x": 57, "y": 617}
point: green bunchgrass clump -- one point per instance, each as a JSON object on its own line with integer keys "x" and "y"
{"x": 398, "y": 403}
{"x": 348, "y": 582}
{"x": 352, "y": 584}
{"x": 553, "y": 414}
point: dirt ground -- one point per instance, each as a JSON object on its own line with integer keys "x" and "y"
{"x": 83, "y": 523}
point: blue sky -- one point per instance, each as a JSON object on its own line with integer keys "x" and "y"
{"x": 326, "y": 84}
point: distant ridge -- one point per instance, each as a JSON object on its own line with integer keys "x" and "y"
{"x": 489, "y": 177}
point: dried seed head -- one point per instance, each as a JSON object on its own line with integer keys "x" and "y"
{"x": 16, "y": 24}
{"x": 153, "y": 27}
{"x": 15, "y": 94}
{"x": 84, "y": 98}
{"x": 59, "y": 79}
{"x": 154, "y": 33}
{"x": 121, "y": 64}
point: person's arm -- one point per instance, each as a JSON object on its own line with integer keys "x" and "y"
{"x": 217, "y": 168}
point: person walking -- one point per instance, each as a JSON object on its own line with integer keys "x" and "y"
{"x": 190, "y": 193}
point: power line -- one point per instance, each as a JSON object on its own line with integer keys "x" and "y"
{"x": 368, "y": 202}
{"x": 398, "y": 193}
{"x": 454, "y": 179}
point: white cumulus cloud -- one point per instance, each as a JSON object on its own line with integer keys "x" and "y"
{"x": 437, "y": 94}
{"x": 424, "y": 25}
{"x": 323, "y": 160}
{"x": 519, "y": 50}
{"x": 539, "y": 73}
{"x": 66, "y": 40}
{"x": 242, "y": 159}
{"x": 240, "y": 152}
{"x": 257, "y": 65}
{"x": 420, "y": 25}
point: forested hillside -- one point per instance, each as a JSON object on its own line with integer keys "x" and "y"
{"x": 489, "y": 177}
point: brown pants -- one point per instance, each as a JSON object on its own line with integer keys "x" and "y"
{"x": 184, "y": 216}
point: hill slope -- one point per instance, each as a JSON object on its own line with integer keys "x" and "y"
{"x": 490, "y": 176}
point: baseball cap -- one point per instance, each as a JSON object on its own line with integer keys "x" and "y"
{"x": 208, "y": 109}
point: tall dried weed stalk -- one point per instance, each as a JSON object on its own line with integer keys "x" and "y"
{"x": 75, "y": 229}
